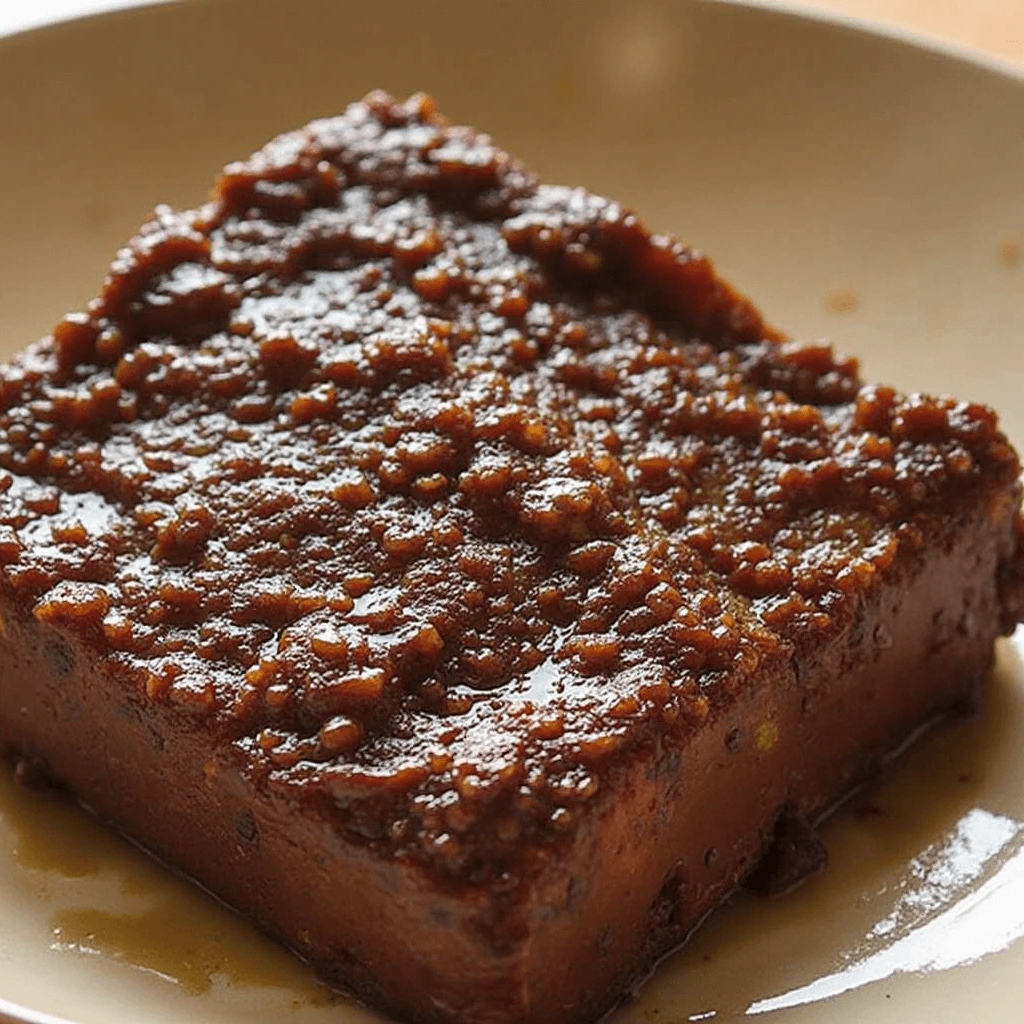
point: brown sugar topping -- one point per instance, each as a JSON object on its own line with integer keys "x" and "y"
{"x": 434, "y": 489}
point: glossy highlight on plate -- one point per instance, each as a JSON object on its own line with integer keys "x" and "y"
{"x": 926, "y": 877}
{"x": 970, "y": 889}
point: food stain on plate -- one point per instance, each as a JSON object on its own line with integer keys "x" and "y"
{"x": 106, "y": 898}
{"x": 1010, "y": 252}
{"x": 52, "y": 835}
{"x": 170, "y": 939}
{"x": 842, "y": 301}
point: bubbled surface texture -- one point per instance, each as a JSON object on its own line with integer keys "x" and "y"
{"x": 431, "y": 491}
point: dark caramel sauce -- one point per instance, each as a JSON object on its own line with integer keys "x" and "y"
{"x": 173, "y": 929}
{"x": 168, "y": 940}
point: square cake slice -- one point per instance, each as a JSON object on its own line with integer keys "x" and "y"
{"x": 461, "y": 581}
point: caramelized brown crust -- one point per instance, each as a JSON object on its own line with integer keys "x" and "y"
{"x": 431, "y": 497}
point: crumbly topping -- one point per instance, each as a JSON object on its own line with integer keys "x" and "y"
{"x": 433, "y": 489}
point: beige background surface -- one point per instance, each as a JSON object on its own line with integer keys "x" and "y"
{"x": 996, "y": 26}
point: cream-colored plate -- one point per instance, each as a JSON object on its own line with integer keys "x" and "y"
{"x": 862, "y": 188}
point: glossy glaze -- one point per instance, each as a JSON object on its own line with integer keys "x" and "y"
{"x": 435, "y": 490}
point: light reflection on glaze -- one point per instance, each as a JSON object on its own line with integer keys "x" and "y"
{"x": 542, "y": 683}
{"x": 939, "y": 927}
{"x": 946, "y": 870}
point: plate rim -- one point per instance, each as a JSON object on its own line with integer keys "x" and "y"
{"x": 802, "y": 10}
{"x": 859, "y": 24}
